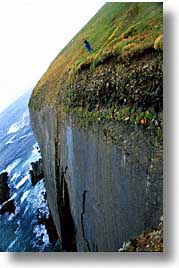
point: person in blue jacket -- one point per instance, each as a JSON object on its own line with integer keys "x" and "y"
{"x": 88, "y": 46}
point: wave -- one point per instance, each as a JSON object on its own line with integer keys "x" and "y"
{"x": 10, "y": 140}
{"x": 12, "y": 244}
{"x": 20, "y": 124}
{"x": 24, "y": 196}
{"x": 25, "y": 136}
{"x": 15, "y": 175}
{"x": 40, "y": 234}
{"x": 22, "y": 181}
{"x": 11, "y": 166}
{"x": 35, "y": 155}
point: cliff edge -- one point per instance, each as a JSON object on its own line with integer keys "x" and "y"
{"x": 98, "y": 120}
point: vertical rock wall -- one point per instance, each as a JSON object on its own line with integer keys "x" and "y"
{"x": 100, "y": 192}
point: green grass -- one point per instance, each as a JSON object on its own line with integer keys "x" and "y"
{"x": 118, "y": 29}
{"x": 124, "y": 114}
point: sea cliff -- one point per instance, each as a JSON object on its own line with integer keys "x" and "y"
{"x": 98, "y": 122}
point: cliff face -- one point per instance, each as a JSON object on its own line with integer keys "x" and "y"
{"x": 100, "y": 193}
{"x": 104, "y": 176}
{"x": 100, "y": 138}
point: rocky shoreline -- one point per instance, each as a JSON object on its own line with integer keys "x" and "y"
{"x": 37, "y": 174}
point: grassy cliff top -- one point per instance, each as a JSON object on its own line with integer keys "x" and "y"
{"x": 118, "y": 30}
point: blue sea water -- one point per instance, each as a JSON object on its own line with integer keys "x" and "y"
{"x": 21, "y": 232}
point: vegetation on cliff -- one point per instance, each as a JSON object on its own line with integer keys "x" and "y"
{"x": 119, "y": 91}
{"x": 119, "y": 30}
{"x": 150, "y": 240}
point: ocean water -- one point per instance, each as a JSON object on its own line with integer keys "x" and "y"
{"x": 21, "y": 232}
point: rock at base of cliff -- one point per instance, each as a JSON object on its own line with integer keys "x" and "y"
{"x": 37, "y": 171}
{"x": 50, "y": 227}
{"x": 7, "y": 206}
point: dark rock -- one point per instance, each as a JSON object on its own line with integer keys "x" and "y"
{"x": 37, "y": 171}
{"x": 8, "y": 207}
{"x": 4, "y": 189}
{"x": 5, "y": 195}
{"x": 51, "y": 229}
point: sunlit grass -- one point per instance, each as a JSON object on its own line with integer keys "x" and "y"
{"x": 118, "y": 29}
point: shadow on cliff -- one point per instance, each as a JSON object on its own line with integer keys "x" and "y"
{"x": 168, "y": 255}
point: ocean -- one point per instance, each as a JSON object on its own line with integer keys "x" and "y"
{"x": 21, "y": 231}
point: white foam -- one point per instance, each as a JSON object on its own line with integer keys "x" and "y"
{"x": 41, "y": 232}
{"x": 15, "y": 175}
{"x": 24, "y": 136}
{"x": 22, "y": 181}
{"x": 11, "y": 198}
{"x": 11, "y": 166}
{"x": 35, "y": 155}
{"x": 17, "y": 231}
{"x": 11, "y": 216}
{"x": 11, "y": 140}
{"x": 15, "y": 127}
{"x": 20, "y": 124}
{"x": 46, "y": 238}
{"x": 12, "y": 244}
{"x": 24, "y": 196}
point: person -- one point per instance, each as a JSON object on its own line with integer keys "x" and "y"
{"x": 88, "y": 46}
